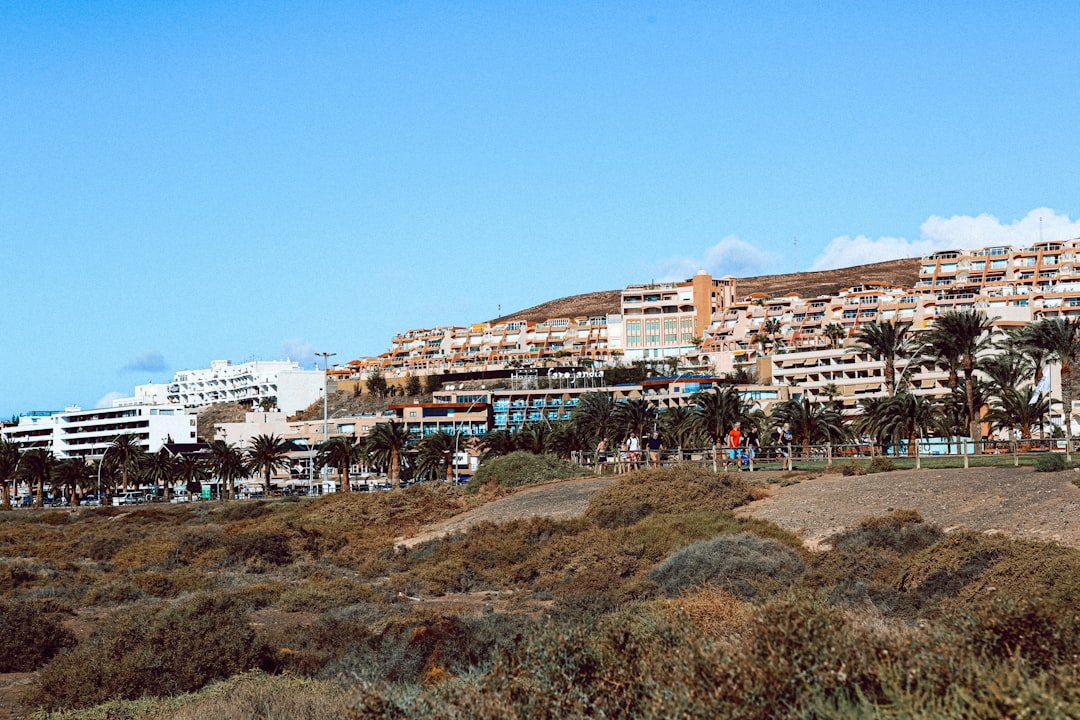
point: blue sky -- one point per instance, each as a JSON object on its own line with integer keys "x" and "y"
{"x": 187, "y": 181}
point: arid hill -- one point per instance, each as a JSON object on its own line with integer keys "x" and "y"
{"x": 805, "y": 284}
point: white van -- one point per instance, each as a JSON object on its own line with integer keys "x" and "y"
{"x": 131, "y": 497}
{"x": 182, "y": 495}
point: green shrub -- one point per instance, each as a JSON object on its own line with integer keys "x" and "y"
{"x": 245, "y": 510}
{"x": 1050, "y": 462}
{"x": 152, "y": 650}
{"x": 259, "y": 548}
{"x": 903, "y": 532}
{"x": 30, "y": 635}
{"x": 676, "y": 490}
{"x": 523, "y": 468}
{"x": 742, "y": 564}
{"x": 880, "y": 464}
{"x": 852, "y": 468}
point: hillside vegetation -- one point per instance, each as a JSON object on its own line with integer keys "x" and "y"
{"x": 659, "y": 602}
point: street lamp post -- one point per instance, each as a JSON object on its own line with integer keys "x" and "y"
{"x": 457, "y": 436}
{"x": 101, "y": 462}
{"x": 325, "y": 428}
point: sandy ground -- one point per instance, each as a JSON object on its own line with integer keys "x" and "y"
{"x": 1015, "y": 501}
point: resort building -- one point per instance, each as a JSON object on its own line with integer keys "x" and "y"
{"x": 250, "y": 383}
{"x": 80, "y": 433}
{"x": 666, "y": 320}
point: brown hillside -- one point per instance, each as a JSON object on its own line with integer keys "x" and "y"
{"x": 805, "y": 284}
{"x": 211, "y": 415}
{"x": 826, "y": 282}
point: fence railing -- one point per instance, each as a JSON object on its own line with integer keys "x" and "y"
{"x": 938, "y": 452}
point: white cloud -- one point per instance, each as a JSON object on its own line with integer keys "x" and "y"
{"x": 956, "y": 232}
{"x": 299, "y": 350}
{"x": 106, "y": 400}
{"x": 730, "y": 256}
{"x": 846, "y": 251}
{"x": 148, "y": 361}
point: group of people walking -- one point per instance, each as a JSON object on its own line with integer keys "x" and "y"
{"x": 744, "y": 447}
{"x": 741, "y": 449}
{"x": 631, "y": 455}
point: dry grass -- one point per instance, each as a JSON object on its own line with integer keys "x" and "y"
{"x": 324, "y": 591}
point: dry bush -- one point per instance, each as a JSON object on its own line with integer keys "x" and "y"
{"x": 759, "y": 492}
{"x": 421, "y": 504}
{"x": 31, "y": 633}
{"x": 742, "y": 564}
{"x": 713, "y": 611}
{"x": 257, "y": 696}
{"x": 144, "y": 550}
{"x": 968, "y": 565}
{"x": 13, "y": 577}
{"x": 796, "y": 658}
{"x": 862, "y": 565}
{"x": 259, "y": 549}
{"x": 486, "y": 556}
{"x": 426, "y": 646}
{"x": 246, "y": 510}
{"x": 152, "y": 650}
{"x": 661, "y": 534}
{"x": 320, "y": 594}
{"x": 669, "y": 490}
{"x": 156, "y": 583}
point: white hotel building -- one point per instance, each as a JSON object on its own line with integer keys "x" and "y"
{"x": 80, "y": 433}
{"x": 247, "y": 383}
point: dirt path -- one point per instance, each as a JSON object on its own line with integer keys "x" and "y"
{"x": 1018, "y": 502}
{"x": 1015, "y": 501}
{"x": 560, "y": 499}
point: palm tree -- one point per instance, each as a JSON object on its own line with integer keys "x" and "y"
{"x": 771, "y": 328}
{"x": 1060, "y": 340}
{"x": 533, "y": 437}
{"x": 887, "y": 342}
{"x": 1012, "y": 410}
{"x": 566, "y": 441}
{"x": 594, "y": 415}
{"x": 70, "y": 474}
{"x": 9, "y": 463}
{"x": 716, "y": 412}
{"x": 496, "y": 443}
{"x": 831, "y": 391}
{"x": 191, "y": 471}
{"x": 388, "y": 441}
{"x": 126, "y": 453}
{"x": 227, "y": 463}
{"x": 265, "y": 454}
{"x": 677, "y": 428}
{"x": 37, "y": 467}
{"x": 961, "y": 336}
{"x": 834, "y": 333}
{"x": 340, "y": 453}
{"x": 811, "y": 423}
{"x": 436, "y": 456}
{"x": 871, "y": 421}
{"x": 159, "y": 468}
{"x": 636, "y": 415}
{"x": 907, "y": 415}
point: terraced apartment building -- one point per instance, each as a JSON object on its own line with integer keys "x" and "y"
{"x": 703, "y": 325}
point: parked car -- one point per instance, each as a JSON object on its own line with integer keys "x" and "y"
{"x": 131, "y": 497}
{"x": 26, "y": 501}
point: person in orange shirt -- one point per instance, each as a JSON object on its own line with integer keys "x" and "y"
{"x": 734, "y": 441}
